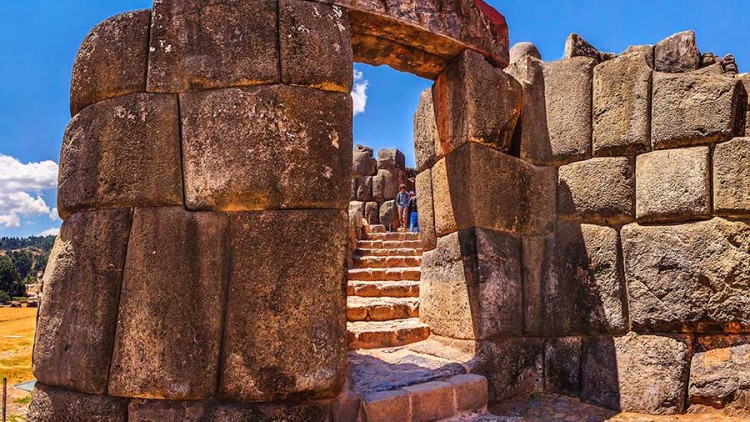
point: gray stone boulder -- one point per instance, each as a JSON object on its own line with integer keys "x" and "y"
{"x": 677, "y": 53}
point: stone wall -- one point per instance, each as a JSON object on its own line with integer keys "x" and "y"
{"x": 375, "y": 184}
{"x": 602, "y": 249}
{"x": 204, "y": 182}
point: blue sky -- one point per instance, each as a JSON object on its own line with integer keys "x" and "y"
{"x": 42, "y": 38}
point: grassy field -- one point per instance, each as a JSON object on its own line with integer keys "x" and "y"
{"x": 16, "y": 341}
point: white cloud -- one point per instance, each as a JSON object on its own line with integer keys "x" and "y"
{"x": 50, "y": 232}
{"x": 54, "y": 215}
{"x": 359, "y": 92}
{"x": 20, "y": 187}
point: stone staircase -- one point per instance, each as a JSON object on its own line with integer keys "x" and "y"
{"x": 383, "y": 292}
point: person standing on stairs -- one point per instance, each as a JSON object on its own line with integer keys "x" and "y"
{"x": 413, "y": 216}
{"x": 402, "y": 202}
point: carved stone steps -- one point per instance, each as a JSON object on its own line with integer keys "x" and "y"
{"x": 381, "y": 308}
{"x": 385, "y": 274}
{"x": 383, "y": 288}
{"x": 366, "y": 252}
{"x": 387, "y": 261}
{"x": 389, "y": 244}
{"x": 380, "y": 334}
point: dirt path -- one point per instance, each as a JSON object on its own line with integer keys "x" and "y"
{"x": 16, "y": 341}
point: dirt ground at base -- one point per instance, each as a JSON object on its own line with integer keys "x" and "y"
{"x": 17, "y": 327}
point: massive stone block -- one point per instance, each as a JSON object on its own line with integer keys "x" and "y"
{"x": 426, "y": 210}
{"x": 531, "y": 138}
{"x": 272, "y": 412}
{"x": 140, "y": 410}
{"x": 385, "y": 185}
{"x": 77, "y": 319}
{"x": 731, "y": 178}
{"x": 537, "y": 269}
{"x": 599, "y": 190}
{"x": 719, "y": 374}
{"x": 476, "y": 102}
{"x": 568, "y": 91}
{"x": 122, "y": 152}
{"x": 513, "y": 366}
{"x": 111, "y": 61}
{"x": 315, "y": 43}
{"x": 646, "y": 50}
{"x": 622, "y": 106}
{"x": 673, "y": 185}
{"x": 480, "y": 186}
{"x": 391, "y": 158}
{"x": 471, "y": 285}
{"x": 426, "y": 140}
{"x": 57, "y": 405}
{"x": 262, "y": 148}
{"x": 170, "y": 325}
{"x": 688, "y": 277}
{"x": 278, "y": 301}
{"x": 677, "y": 53}
{"x": 644, "y": 374}
{"x": 372, "y": 213}
{"x": 585, "y": 293}
{"x": 408, "y": 32}
{"x": 204, "y": 44}
{"x": 364, "y": 188}
{"x": 363, "y": 163}
{"x": 389, "y": 215}
{"x": 562, "y": 365}
{"x": 695, "y": 109}
{"x": 524, "y": 49}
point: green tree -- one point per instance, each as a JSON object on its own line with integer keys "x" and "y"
{"x": 23, "y": 261}
{"x": 10, "y": 280}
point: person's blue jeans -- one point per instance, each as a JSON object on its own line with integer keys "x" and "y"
{"x": 414, "y": 223}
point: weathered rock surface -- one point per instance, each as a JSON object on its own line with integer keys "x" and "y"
{"x": 512, "y": 366}
{"x": 385, "y": 185}
{"x": 523, "y": 49}
{"x": 586, "y": 292}
{"x": 537, "y": 260}
{"x": 696, "y": 109}
{"x": 315, "y": 44}
{"x": 568, "y": 88}
{"x": 58, "y": 405}
{"x": 720, "y": 375}
{"x": 78, "y": 316}
{"x": 364, "y": 188}
{"x": 599, "y": 190}
{"x": 111, "y": 60}
{"x": 471, "y": 285}
{"x": 731, "y": 178}
{"x": 636, "y": 373}
{"x": 476, "y": 102}
{"x": 426, "y": 141}
{"x": 391, "y": 158}
{"x": 304, "y": 311}
{"x": 272, "y": 412}
{"x": 477, "y": 186}
{"x": 140, "y": 410}
{"x": 673, "y": 185}
{"x": 531, "y": 138}
{"x": 677, "y": 53}
{"x": 426, "y": 210}
{"x": 622, "y": 106}
{"x": 169, "y": 328}
{"x": 260, "y": 148}
{"x": 688, "y": 277}
{"x": 389, "y": 215}
{"x": 562, "y": 365}
{"x": 576, "y": 46}
{"x": 646, "y": 50}
{"x": 122, "y": 152}
{"x": 372, "y": 213}
{"x": 363, "y": 162}
{"x": 198, "y": 44}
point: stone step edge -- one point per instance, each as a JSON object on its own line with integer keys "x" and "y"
{"x": 382, "y": 288}
{"x": 385, "y": 334}
{"x": 434, "y": 400}
{"x": 373, "y": 252}
{"x": 385, "y": 274}
{"x": 381, "y": 308}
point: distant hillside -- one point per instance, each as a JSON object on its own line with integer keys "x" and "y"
{"x": 21, "y": 260}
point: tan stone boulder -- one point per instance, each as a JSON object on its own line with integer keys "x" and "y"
{"x": 111, "y": 60}
{"x": 476, "y": 102}
{"x": 199, "y": 44}
{"x": 385, "y": 185}
{"x": 731, "y": 178}
{"x": 363, "y": 163}
{"x": 673, "y": 185}
{"x": 568, "y": 88}
{"x": 471, "y": 285}
{"x": 636, "y": 373}
{"x": 695, "y": 109}
{"x": 689, "y": 276}
{"x": 646, "y": 50}
{"x": 599, "y": 190}
{"x": 524, "y": 49}
{"x": 719, "y": 374}
{"x": 532, "y": 137}
{"x": 364, "y": 188}
{"x": 270, "y": 147}
{"x": 315, "y": 45}
{"x": 122, "y": 152}
{"x": 426, "y": 141}
{"x": 677, "y": 53}
{"x": 513, "y": 366}
{"x": 426, "y": 210}
{"x": 169, "y": 329}
{"x": 562, "y": 365}
{"x": 77, "y": 320}
{"x": 303, "y": 312}
{"x": 59, "y": 405}
{"x": 622, "y": 106}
